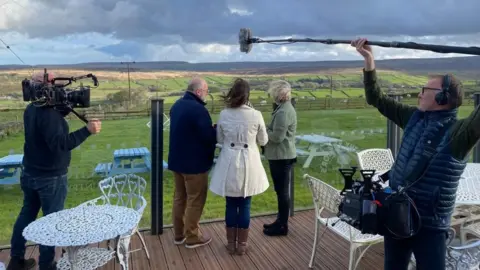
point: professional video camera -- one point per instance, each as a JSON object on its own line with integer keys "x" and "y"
{"x": 373, "y": 209}
{"x": 53, "y": 94}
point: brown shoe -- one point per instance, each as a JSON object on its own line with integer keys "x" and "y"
{"x": 201, "y": 241}
{"x": 242, "y": 241}
{"x": 179, "y": 240}
{"x": 232, "y": 240}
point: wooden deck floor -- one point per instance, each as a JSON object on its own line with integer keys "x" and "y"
{"x": 290, "y": 252}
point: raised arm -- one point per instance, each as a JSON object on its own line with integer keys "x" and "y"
{"x": 466, "y": 134}
{"x": 56, "y": 138}
{"x": 395, "y": 111}
{"x": 262, "y": 136}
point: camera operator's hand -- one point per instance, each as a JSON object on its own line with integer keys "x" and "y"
{"x": 365, "y": 51}
{"x": 94, "y": 126}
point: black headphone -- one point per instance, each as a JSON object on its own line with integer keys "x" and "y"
{"x": 443, "y": 97}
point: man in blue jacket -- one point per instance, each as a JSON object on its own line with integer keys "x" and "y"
{"x": 432, "y": 157}
{"x": 190, "y": 157}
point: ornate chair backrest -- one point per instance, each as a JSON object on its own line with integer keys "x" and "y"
{"x": 464, "y": 257}
{"x": 324, "y": 195}
{"x": 378, "y": 159}
{"x": 125, "y": 190}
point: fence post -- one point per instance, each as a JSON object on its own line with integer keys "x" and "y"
{"x": 394, "y": 133}
{"x": 476, "y": 150}
{"x": 156, "y": 173}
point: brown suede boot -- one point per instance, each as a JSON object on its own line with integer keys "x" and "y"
{"x": 232, "y": 240}
{"x": 242, "y": 241}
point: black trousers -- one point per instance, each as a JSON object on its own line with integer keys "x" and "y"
{"x": 281, "y": 173}
{"x": 428, "y": 246}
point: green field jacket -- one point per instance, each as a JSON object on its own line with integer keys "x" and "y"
{"x": 281, "y": 133}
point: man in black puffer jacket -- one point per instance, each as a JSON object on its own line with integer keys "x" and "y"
{"x": 434, "y": 150}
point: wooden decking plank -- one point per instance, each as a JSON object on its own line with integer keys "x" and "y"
{"x": 243, "y": 262}
{"x": 172, "y": 253}
{"x": 302, "y": 241}
{"x": 264, "y": 252}
{"x": 277, "y": 245}
{"x": 332, "y": 243}
{"x": 5, "y": 256}
{"x": 337, "y": 245}
{"x": 270, "y": 255}
{"x": 34, "y": 252}
{"x": 139, "y": 259}
{"x": 224, "y": 259}
{"x": 259, "y": 260}
{"x": 294, "y": 244}
{"x": 329, "y": 259}
{"x": 371, "y": 258}
{"x": 189, "y": 256}
{"x": 110, "y": 265}
{"x": 207, "y": 258}
{"x": 261, "y": 257}
{"x": 157, "y": 254}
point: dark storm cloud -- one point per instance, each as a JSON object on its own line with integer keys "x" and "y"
{"x": 162, "y": 21}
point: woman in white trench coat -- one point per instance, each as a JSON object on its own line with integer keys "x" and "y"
{"x": 239, "y": 173}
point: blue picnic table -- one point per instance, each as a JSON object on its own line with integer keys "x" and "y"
{"x": 10, "y": 169}
{"x": 125, "y": 161}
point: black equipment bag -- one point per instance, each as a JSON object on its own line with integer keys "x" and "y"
{"x": 391, "y": 214}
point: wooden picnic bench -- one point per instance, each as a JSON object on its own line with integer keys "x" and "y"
{"x": 125, "y": 161}
{"x": 10, "y": 169}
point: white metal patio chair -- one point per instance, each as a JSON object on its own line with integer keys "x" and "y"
{"x": 464, "y": 257}
{"x": 166, "y": 123}
{"x": 327, "y": 197}
{"x": 124, "y": 190}
{"x": 471, "y": 224}
{"x": 377, "y": 159}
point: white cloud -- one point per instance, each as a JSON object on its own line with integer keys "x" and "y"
{"x": 74, "y": 31}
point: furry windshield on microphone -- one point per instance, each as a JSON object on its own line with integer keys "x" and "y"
{"x": 243, "y": 39}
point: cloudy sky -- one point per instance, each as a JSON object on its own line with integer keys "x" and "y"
{"x": 75, "y": 31}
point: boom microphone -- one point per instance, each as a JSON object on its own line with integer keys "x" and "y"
{"x": 246, "y": 41}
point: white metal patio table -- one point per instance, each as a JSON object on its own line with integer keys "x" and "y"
{"x": 468, "y": 192}
{"x": 75, "y": 228}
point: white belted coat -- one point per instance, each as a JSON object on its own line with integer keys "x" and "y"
{"x": 239, "y": 171}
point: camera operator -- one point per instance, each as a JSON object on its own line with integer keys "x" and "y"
{"x": 47, "y": 155}
{"x": 433, "y": 151}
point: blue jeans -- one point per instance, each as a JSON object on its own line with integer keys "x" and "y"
{"x": 237, "y": 213}
{"x": 49, "y": 193}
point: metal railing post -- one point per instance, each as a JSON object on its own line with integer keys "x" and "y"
{"x": 394, "y": 134}
{"x": 156, "y": 173}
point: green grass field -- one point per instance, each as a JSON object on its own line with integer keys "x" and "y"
{"x": 345, "y": 84}
{"x": 360, "y": 128}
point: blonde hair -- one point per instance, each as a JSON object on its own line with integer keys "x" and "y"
{"x": 280, "y": 90}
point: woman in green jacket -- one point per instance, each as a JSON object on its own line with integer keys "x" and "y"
{"x": 280, "y": 152}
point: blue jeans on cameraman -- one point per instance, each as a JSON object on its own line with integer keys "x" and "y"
{"x": 47, "y": 193}
{"x": 237, "y": 213}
